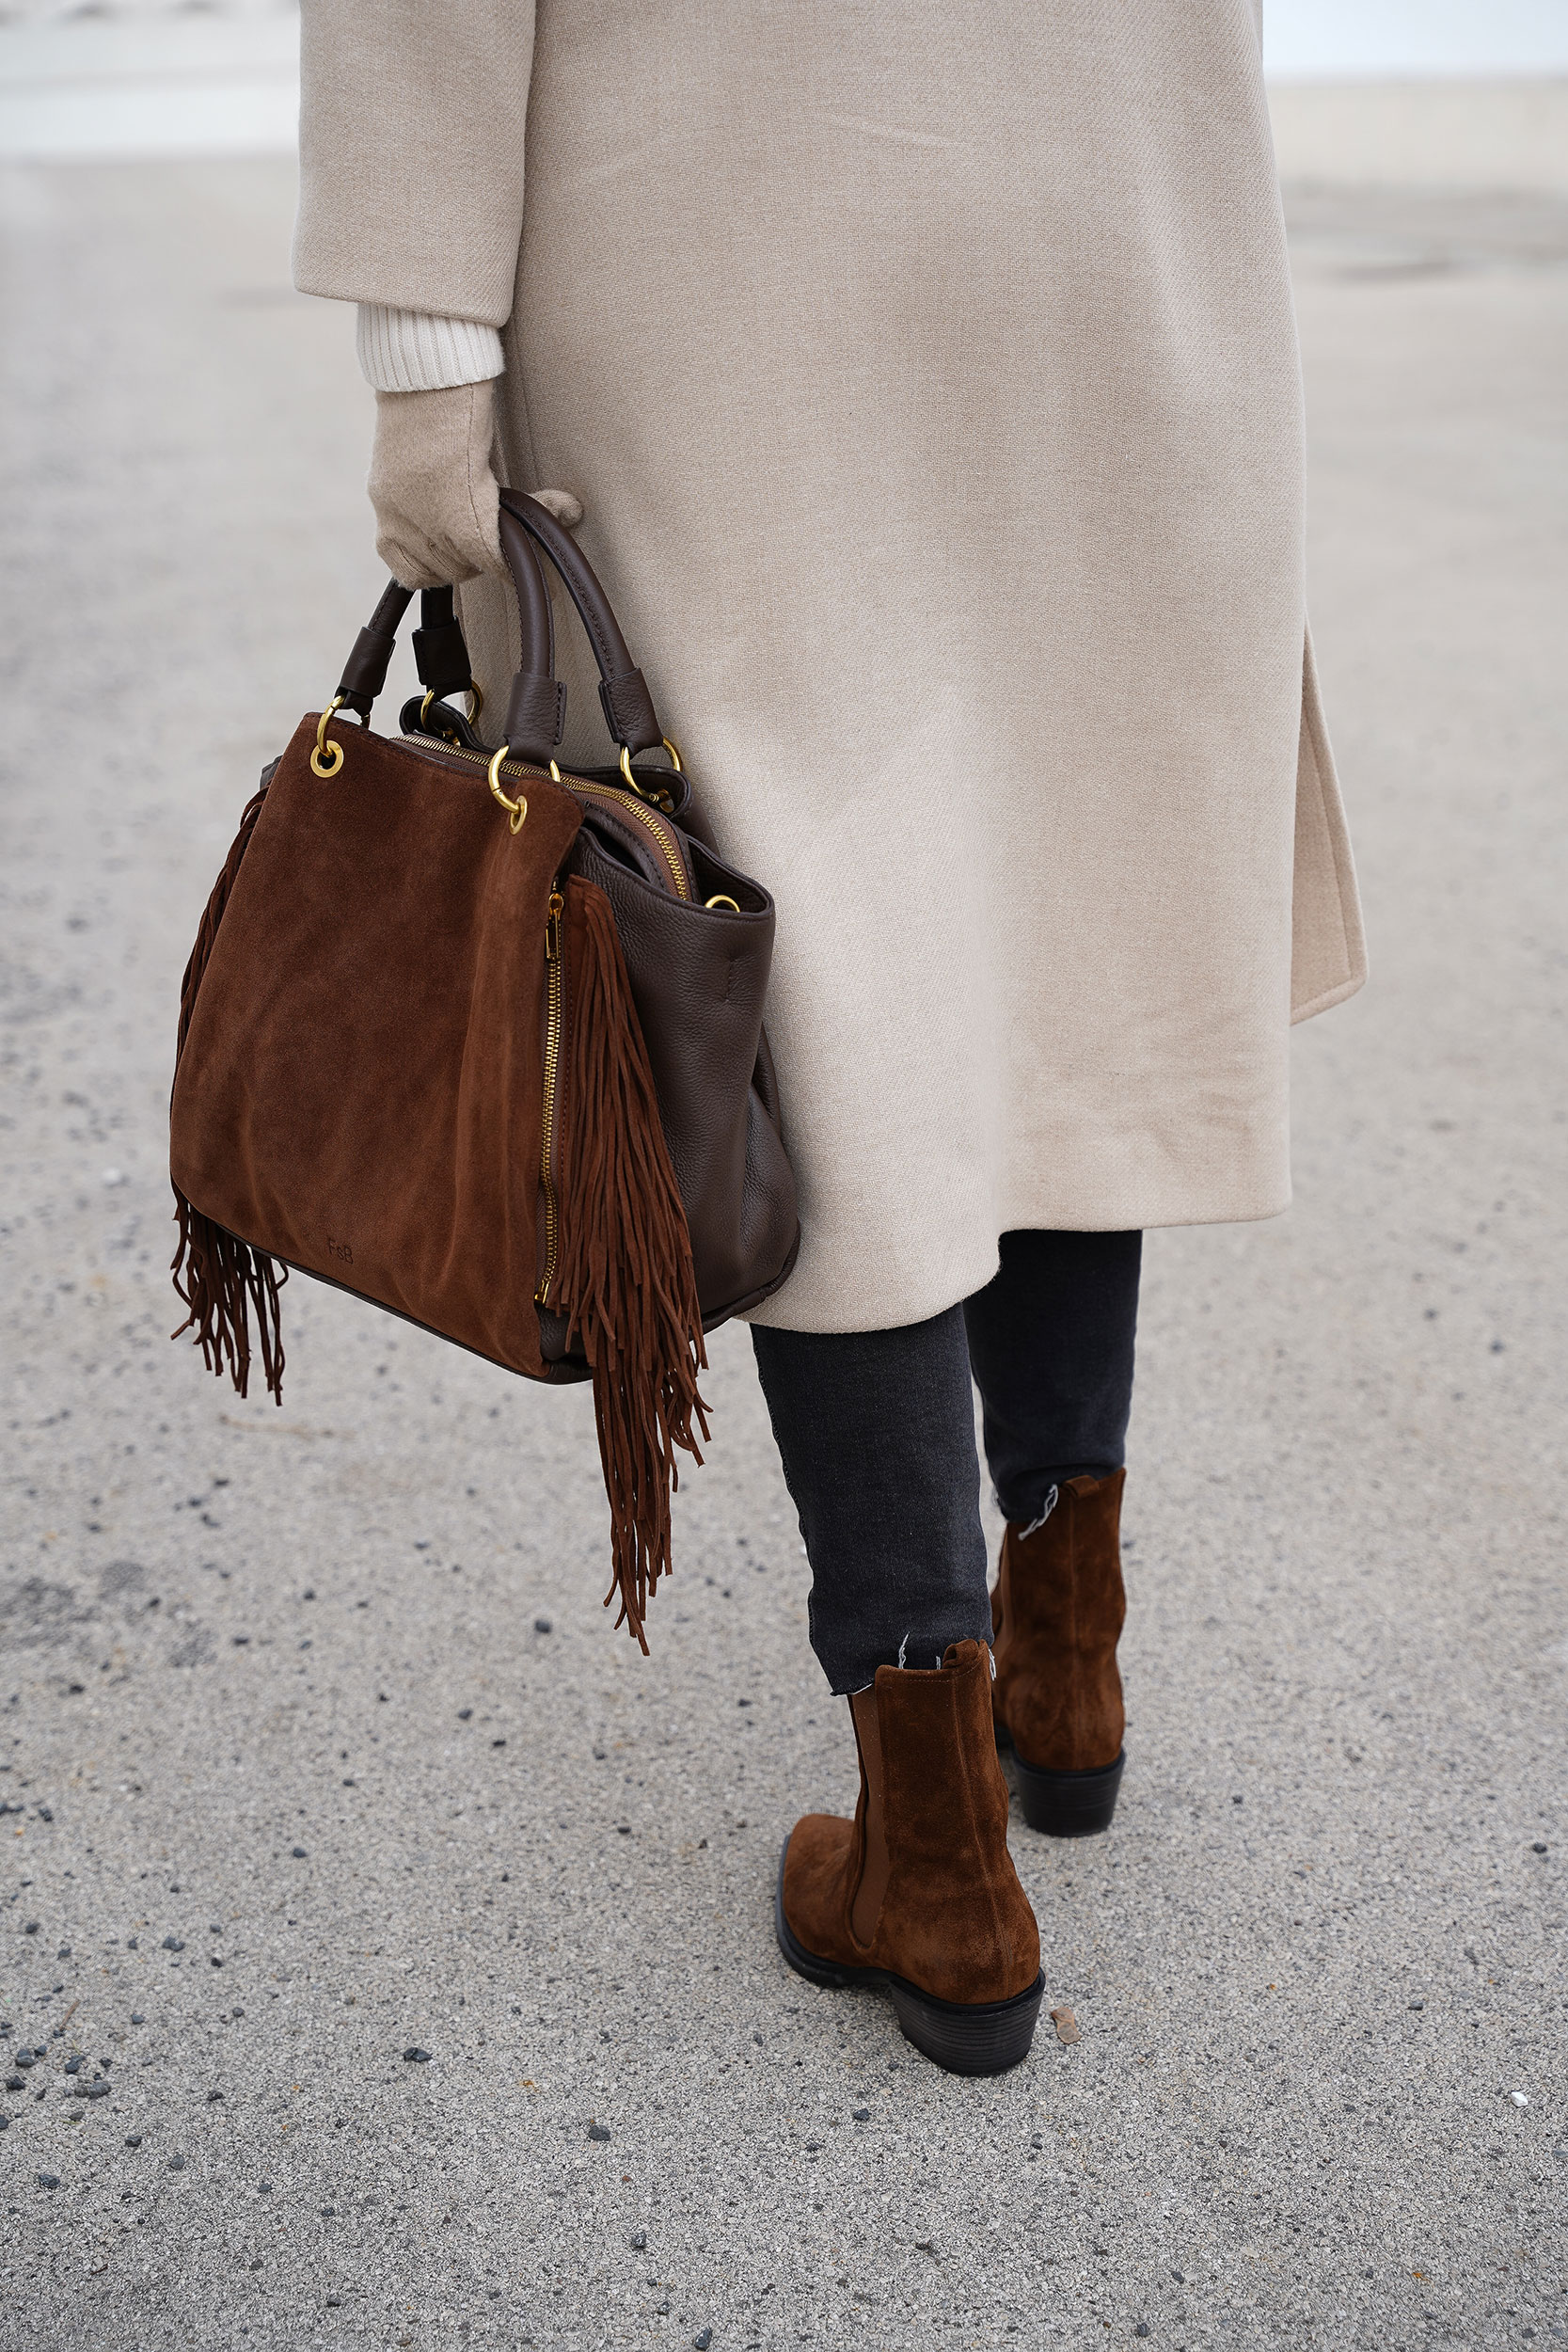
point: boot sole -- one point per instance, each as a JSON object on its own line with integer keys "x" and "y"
{"x": 966, "y": 2038}
{"x": 1066, "y": 1805}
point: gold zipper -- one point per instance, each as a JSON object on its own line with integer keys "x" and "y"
{"x": 639, "y": 808}
{"x": 552, "y": 1057}
{"x": 630, "y": 802}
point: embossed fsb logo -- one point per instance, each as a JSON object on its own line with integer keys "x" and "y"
{"x": 341, "y": 1250}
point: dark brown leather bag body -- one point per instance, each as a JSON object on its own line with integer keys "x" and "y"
{"x": 465, "y": 1036}
{"x": 699, "y": 970}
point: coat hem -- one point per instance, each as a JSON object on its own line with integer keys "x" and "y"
{"x": 897, "y": 1312}
{"x": 1328, "y": 998}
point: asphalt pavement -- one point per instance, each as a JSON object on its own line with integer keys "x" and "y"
{"x": 412, "y": 1933}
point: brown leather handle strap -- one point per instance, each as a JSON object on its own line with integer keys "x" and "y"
{"x": 628, "y": 707}
{"x": 536, "y": 712}
{"x": 440, "y": 649}
{"x": 365, "y": 671}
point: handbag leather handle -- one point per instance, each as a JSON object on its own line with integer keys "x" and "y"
{"x": 628, "y": 707}
{"x": 537, "y": 710}
{"x": 441, "y": 651}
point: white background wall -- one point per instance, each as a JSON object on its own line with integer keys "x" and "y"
{"x": 1334, "y": 39}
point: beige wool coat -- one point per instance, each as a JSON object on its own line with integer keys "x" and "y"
{"x": 929, "y": 379}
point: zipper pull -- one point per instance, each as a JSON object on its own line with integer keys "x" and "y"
{"x": 552, "y": 929}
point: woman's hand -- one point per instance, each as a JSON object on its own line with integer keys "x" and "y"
{"x": 433, "y": 485}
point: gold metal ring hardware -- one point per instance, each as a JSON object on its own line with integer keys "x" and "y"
{"x": 675, "y": 756}
{"x": 655, "y": 798}
{"x": 475, "y": 706}
{"x": 555, "y": 773}
{"x": 723, "y": 902}
{"x": 326, "y": 758}
{"x": 516, "y": 810}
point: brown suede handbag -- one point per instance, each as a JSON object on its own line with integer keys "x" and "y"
{"x": 482, "y": 1043}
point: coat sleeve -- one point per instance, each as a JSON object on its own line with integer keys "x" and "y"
{"x": 411, "y": 124}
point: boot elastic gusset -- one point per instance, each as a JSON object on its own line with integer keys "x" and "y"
{"x": 954, "y": 1936}
{"x": 964, "y": 2037}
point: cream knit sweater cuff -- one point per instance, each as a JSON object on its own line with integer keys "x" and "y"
{"x": 406, "y": 351}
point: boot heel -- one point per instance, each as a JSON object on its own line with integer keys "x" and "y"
{"x": 982, "y": 2037}
{"x": 1068, "y": 1805}
{"x": 979, "y": 2037}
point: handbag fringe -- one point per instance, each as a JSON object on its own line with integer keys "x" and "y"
{"x": 625, "y": 1282}
{"x": 217, "y": 1277}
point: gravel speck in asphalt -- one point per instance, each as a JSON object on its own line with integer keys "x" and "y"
{"x": 542, "y": 1625}
{"x": 174, "y": 1943}
{"x": 177, "y": 2164}
{"x": 49, "y": 2179}
{"x": 639, "y": 2240}
{"x": 598, "y": 2131}
{"x": 863, "y": 2115}
{"x": 416, "y": 2056}
{"x": 134, "y": 2140}
{"x": 298, "y": 1853}
{"x": 137, "y": 2018}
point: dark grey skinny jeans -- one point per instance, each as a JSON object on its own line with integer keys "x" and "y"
{"x": 876, "y": 1434}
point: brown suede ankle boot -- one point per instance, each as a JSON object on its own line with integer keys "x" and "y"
{"x": 917, "y": 1895}
{"x": 1056, "y": 1613}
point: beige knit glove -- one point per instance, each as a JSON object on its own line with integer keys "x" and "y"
{"x": 433, "y": 485}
